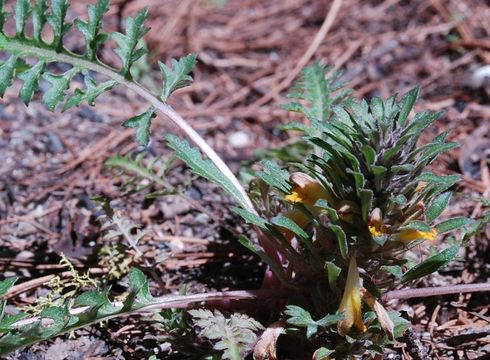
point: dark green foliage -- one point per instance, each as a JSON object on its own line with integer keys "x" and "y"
{"x": 177, "y": 76}
{"x": 57, "y": 21}
{"x": 128, "y": 49}
{"x": 39, "y": 19}
{"x": 88, "y": 307}
{"x": 431, "y": 264}
{"x": 91, "y": 28}
{"x": 203, "y": 167}
{"x": 143, "y": 123}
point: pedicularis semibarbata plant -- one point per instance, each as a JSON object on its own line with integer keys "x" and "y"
{"x": 334, "y": 228}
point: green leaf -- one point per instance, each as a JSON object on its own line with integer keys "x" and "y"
{"x": 251, "y": 218}
{"x": 22, "y": 9}
{"x": 143, "y": 123}
{"x": 59, "y": 84}
{"x": 431, "y": 264}
{"x": 39, "y": 19}
{"x": 417, "y": 225}
{"x": 274, "y": 176}
{"x": 282, "y": 221}
{"x": 6, "y": 284}
{"x": 139, "y": 282}
{"x": 90, "y": 94}
{"x": 203, "y": 167}
{"x": 6, "y": 74}
{"x": 127, "y": 48}
{"x": 177, "y": 76}
{"x": 366, "y": 197}
{"x": 401, "y": 325}
{"x": 91, "y": 28}
{"x": 322, "y": 354}
{"x": 57, "y": 21}
{"x": 452, "y": 224}
{"x": 438, "y": 206}
{"x": 31, "y": 81}
{"x": 333, "y": 272}
{"x": 60, "y": 317}
{"x": 341, "y": 240}
{"x": 330, "y": 319}
{"x": 299, "y": 317}
{"x": 407, "y": 104}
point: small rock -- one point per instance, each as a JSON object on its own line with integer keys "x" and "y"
{"x": 239, "y": 139}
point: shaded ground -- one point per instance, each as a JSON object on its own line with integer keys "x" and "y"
{"x": 52, "y": 164}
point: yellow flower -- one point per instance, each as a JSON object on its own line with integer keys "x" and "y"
{"x": 350, "y": 305}
{"x": 375, "y": 226}
{"x": 409, "y": 235}
{"x": 294, "y": 197}
{"x": 306, "y": 190}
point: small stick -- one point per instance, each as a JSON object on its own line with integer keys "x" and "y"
{"x": 435, "y": 291}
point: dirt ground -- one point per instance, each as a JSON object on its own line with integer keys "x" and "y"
{"x": 248, "y": 52}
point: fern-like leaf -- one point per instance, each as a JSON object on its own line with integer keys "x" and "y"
{"x": 91, "y": 28}
{"x": 31, "y": 81}
{"x": 22, "y": 9}
{"x": 316, "y": 86}
{"x": 39, "y": 19}
{"x": 203, "y": 167}
{"x": 7, "y": 71}
{"x": 91, "y": 92}
{"x": 177, "y": 76}
{"x": 59, "y": 84}
{"x": 142, "y": 123}
{"x": 233, "y": 336}
{"x": 127, "y": 49}
{"x": 57, "y": 21}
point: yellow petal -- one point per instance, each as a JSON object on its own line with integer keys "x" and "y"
{"x": 408, "y": 235}
{"x": 350, "y": 305}
{"x": 306, "y": 190}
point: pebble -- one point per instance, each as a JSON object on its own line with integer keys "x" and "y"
{"x": 239, "y": 139}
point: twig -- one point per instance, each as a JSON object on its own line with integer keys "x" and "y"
{"x": 435, "y": 291}
{"x": 327, "y": 24}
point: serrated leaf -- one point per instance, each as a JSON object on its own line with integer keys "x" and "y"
{"x": 139, "y": 282}
{"x": 91, "y": 28}
{"x": 407, "y": 104}
{"x": 127, "y": 43}
{"x": 341, "y": 240}
{"x": 274, "y": 176}
{"x": 203, "y": 167}
{"x": 22, "y": 10}
{"x": 57, "y": 21}
{"x": 6, "y": 284}
{"x": 431, "y": 264}
{"x": 234, "y": 336}
{"x": 452, "y": 224}
{"x": 299, "y": 317}
{"x": 142, "y": 123}
{"x": 59, "y": 84}
{"x": 330, "y": 320}
{"x": 7, "y": 71}
{"x": 31, "y": 81}
{"x": 438, "y": 206}
{"x": 38, "y": 19}
{"x": 91, "y": 93}
{"x": 177, "y": 76}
